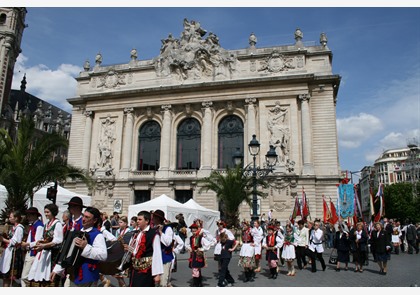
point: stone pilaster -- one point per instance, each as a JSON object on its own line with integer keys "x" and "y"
{"x": 308, "y": 167}
{"x": 87, "y": 140}
{"x": 128, "y": 138}
{"x": 166, "y": 138}
{"x": 207, "y": 135}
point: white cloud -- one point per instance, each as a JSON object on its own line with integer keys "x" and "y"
{"x": 52, "y": 85}
{"x": 354, "y": 130}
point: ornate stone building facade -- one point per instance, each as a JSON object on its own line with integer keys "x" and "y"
{"x": 152, "y": 127}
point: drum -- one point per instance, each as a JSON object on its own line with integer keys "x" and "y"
{"x": 115, "y": 254}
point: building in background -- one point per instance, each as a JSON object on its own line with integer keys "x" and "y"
{"x": 150, "y": 127}
{"x": 12, "y": 24}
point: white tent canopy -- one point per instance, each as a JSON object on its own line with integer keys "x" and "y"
{"x": 63, "y": 196}
{"x": 171, "y": 208}
{"x": 3, "y": 197}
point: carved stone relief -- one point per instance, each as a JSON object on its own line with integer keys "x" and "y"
{"x": 107, "y": 136}
{"x": 112, "y": 79}
{"x": 276, "y": 63}
{"x": 278, "y": 126}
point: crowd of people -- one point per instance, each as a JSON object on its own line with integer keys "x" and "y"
{"x": 36, "y": 253}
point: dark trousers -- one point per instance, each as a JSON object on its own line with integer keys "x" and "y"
{"x": 411, "y": 245}
{"x": 141, "y": 279}
{"x": 313, "y": 256}
{"x": 300, "y": 256}
{"x": 224, "y": 273}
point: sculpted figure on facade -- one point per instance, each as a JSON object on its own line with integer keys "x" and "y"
{"x": 278, "y": 126}
{"x": 105, "y": 145}
{"x": 192, "y": 57}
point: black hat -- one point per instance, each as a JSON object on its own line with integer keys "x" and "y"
{"x": 160, "y": 214}
{"x": 33, "y": 210}
{"x": 76, "y": 201}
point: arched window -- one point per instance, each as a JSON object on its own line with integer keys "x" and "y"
{"x": 231, "y": 137}
{"x": 149, "y": 146}
{"x": 188, "y": 144}
{"x": 3, "y": 18}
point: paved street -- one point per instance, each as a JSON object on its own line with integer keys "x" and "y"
{"x": 403, "y": 271}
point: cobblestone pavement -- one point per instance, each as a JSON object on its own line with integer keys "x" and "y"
{"x": 403, "y": 271}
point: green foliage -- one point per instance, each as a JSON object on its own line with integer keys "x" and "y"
{"x": 401, "y": 203}
{"x": 29, "y": 162}
{"x": 232, "y": 187}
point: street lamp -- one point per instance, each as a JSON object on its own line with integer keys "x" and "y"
{"x": 256, "y": 172}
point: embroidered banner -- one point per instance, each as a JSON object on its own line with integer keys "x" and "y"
{"x": 346, "y": 200}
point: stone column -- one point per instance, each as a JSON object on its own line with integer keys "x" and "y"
{"x": 165, "y": 145}
{"x": 308, "y": 168}
{"x": 251, "y": 127}
{"x": 87, "y": 140}
{"x": 128, "y": 138}
{"x": 207, "y": 136}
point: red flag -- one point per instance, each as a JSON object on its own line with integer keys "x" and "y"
{"x": 327, "y": 213}
{"x": 334, "y": 216}
{"x": 296, "y": 211}
{"x": 305, "y": 208}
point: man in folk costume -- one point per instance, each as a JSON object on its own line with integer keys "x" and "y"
{"x": 75, "y": 206}
{"x": 198, "y": 242}
{"x": 36, "y": 230}
{"x": 272, "y": 243}
{"x": 167, "y": 237}
{"x": 146, "y": 263}
{"x": 93, "y": 250}
{"x": 258, "y": 235}
{"x": 315, "y": 246}
{"x": 247, "y": 253}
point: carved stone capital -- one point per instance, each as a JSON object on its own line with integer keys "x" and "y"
{"x": 88, "y": 113}
{"x": 207, "y": 104}
{"x": 251, "y": 100}
{"x": 166, "y": 107}
{"x": 304, "y": 97}
{"x": 128, "y": 111}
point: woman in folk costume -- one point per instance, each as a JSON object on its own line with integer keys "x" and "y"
{"x": 48, "y": 250}
{"x": 290, "y": 242}
{"x": 272, "y": 243}
{"x": 258, "y": 235}
{"x": 119, "y": 235}
{"x": 198, "y": 242}
{"x": 11, "y": 261}
{"x": 247, "y": 253}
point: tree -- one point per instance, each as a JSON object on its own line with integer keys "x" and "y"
{"x": 400, "y": 203}
{"x": 232, "y": 187}
{"x": 30, "y": 161}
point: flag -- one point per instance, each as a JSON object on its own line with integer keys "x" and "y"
{"x": 334, "y": 217}
{"x": 380, "y": 196}
{"x": 305, "y": 206}
{"x": 296, "y": 211}
{"x": 372, "y": 207}
{"x": 327, "y": 213}
{"x": 357, "y": 207}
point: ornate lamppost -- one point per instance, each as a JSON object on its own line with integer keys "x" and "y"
{"x": 255, "y": 171}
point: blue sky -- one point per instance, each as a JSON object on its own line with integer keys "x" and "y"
{"x": 376, "y": 51}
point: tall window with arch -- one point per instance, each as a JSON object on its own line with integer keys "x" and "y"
{"x": 149, "y": 146}
{"x": 188, "y": 145}
{"x": 231, "y": 138}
